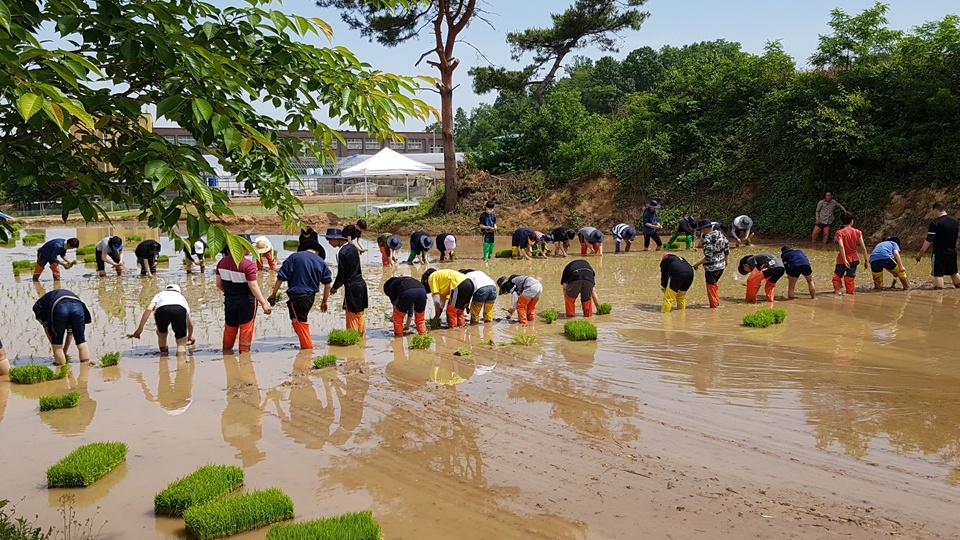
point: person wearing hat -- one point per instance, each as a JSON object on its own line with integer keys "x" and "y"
{"x": 623, "y": 233}
{"x": 651, "y": 225}
{"x": 561, "y": 240}
{"x": 590, "y": 236}
{"x": 886, "y": 256}
{"x": 173, "y": 310}
{"x": 676, "y": 277}
{"x": 488, "y": 228}
{"x": 64, "y": 318}
{"x": 446, "y": 243}
{"x": 389, "y": 244}
{"x": 409, "y": 299}
{"x": 742, "y": 230}
{"x": 110, "y": 251}
{"x": 716, "y": 251}
{"x": 147, "y": 253}
{"x": 194, "y": 254}
{"x": 521, "y": 242}
{"x": 265, "y": 251}
{"x": 452, "y": 293}
{"x": 579, "y": 279}
{"x": 420, "y": 244}
{"x": 353, "y": 232}
{"x": 797, "y": 264}
{"x": 241, "y": 293}
{"x": 526, "y": 292}
{"x": 759, "y": 268}
{"x": 687, "y": 228}
{"x": 308, "y": 233}
{"x": 52, "y": 252}
{"x": 303, "y": 272}
{"x": 484, "y": 296}
{"x": 350, "y": 277}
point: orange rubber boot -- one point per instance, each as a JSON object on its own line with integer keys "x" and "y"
{"x": 461, "y": 317}
{"x": 836, "y": 283}
{"x": 570, "y": 306}
{"x": 769, "y": 290}
{"x": 37, "y": 270}
{"x": 246, "y": 335}
{"x": 302, "y": 330}
{"x": 55, "y": 268}
{"x": 753, "y": 285}
{"x": 357, "y": 321}
{"x": 850, "y": 284}
{"x": 522, "y": 309}
{"x": 229, "y": 336}
{"x": 713, "y": 295}
{"x": 587, "y": 308}
{"x": 270, "y": 260}
{"x": 452, "y": 317}
{"x": 532, "y": 309}
{"x": 398, "y": 317}
{"x": 420, "y": 318}
{"x": 385, "y": 256}
{"x": 583, "y": 248}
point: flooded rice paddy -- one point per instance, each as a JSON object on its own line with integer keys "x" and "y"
{"x": 843, "y": 421}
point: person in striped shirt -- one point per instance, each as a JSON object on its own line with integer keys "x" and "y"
{"x": 624, "y": 233}
{"x": 241, "y": 294}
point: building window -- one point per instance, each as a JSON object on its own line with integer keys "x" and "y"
{"x": 437, "y": 149}
{"x": 172, "y": 139}
{"x": 334, "y": 144}
{"x": 354, "y": 144}
{"x": 396, "y": 145}
{"x": 415, "y": 144}
{"x": 373, "y": 144}
{"x": 186, "y": 140}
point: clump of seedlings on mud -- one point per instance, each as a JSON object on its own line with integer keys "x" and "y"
{"x": 326, "y": 360}
{"x": 86, "y": 465}
{"x": 764, "y": 317}
{"x": 234, "y": 515}
{"x": 355, "y": 525}
{"x": 503, "y": 254}
{"x": 291, "y": 243}
{"x": 421, "y": 342}
{"x": 22, "y": 265}
{"x": 604, "y": 309}
{"x": 66, "y": 401}
{"x": 463, "y": 351}
{"x": 110, "y": 359}
{"x": 36, "y": 373}
{"x": 206, "y": 484}
{"x": 134, "y": 238}
{"x": 524, "y": 338}
{"x": 90, "y": 259}
{"x": 434, "y": 323}
{"x": 161, "y": 259}
{"x": 550, "y": 315}
{"x": 580, "y": 330}
{"x": 88, "y": 249}
{"x": 344, "y": 338}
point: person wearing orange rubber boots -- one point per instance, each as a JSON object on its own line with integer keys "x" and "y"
{"x": 848, "y": 239}
{"x": 409, "y": 299}
{"x": 265, "y": 250}
{"x": 676, "y": 277}
{"x": 452, "y": 292}
{"x": 526, "y": 292}
{"x": 349, "y": 276}
{"x": 389, "y": 245}
{"x": 303, "y": 272}
{"x": 759, "y": 268}
{"x": 716, "y": 251}
{"x": 579, "y": 279}
{"x": 241, "y": 294}
{"x": 52, "y": 253}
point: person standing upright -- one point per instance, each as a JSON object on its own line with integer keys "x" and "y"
{"x": 304, "y": 272}
{"x": 716, "y": 251}
{"x": 849, "y": 238}
{"x": 350, "y": 277}
{"x": 488, "y": 227}
{"x": 651, "y": 225}
{"x": 823, "y": 218}
{"x": 241, "y": 294}
{"x": 942, "y": 237}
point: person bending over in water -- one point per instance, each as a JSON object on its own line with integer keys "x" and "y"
{"x": 447, "y": 244}
{"x": 797, "y": 264}
{"x": 676, "y": 277}
{"x": 686, "y": 228}
{"x": 579, "y": 279}
{"x": 64, "y": 317}
{"x": 52, "y": 253}
{"x": 623, "y": 233}
{"x": 561, "y": 240}
{"x": 522, "y": 241}
{"x": 147, "y": 253}
{"x": 742, "y": 230}
{"x": 526, "y": 292}
{"x": 759, "y": 268}
{"x": 484, "y": 296}
{"x": 389, "y": 244}
{"x": 110, "y": 251}
{"x": 592, "y": 237}
{"x": 886, "y": 256}
{"x": 409, "y": 299}
{"x": 452, "y": 292}
{"x": 173, "y": 310}
{"x": 420, "y": 245}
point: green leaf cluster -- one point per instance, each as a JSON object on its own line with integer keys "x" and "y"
{"x": 549, "y": 315}
{"x": 353, "y": 526}
{"x": 66, "y": 401}
{"x": 206, "y": 484}
{"x": 764, "y": 317}
{"x": 237, "y": 514}
{"x": 326, "y": 360}
{"x": 86, "y": 464}
{"x": 344, "y": 337}
{"x": 580, "y": 330}
{"x": 604, "y": 309}
{"x": 36, "y": 373}
{"x": 110, "y": 359}
{"x": 421, "y": 341}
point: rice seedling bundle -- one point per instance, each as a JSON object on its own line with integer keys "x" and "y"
{"x": 604, "y": 309}
{"x": 549, "y": 316}
{"x": 580, "y": 330}
{"x": 234, "y": 515}
{"x": 344, "y": 337}
{"x": 66, "y": 401}
{"x": 35, "y": 373}
{"x": 326, "y": 360}
{"x": 86, "y": 465}
{"x": 352, "y": 526}
{"x": 421, "y": 342}
{"x": 206, "y": 484}
{"x": 110, "y": 359}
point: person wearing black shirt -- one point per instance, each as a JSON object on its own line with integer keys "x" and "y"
{"x": 579, "y": 279}
{"x": 561, "y": 240}
{"x": 64, "y": 317}
{"x": 942, "y": 237}
{"x": 409, "y": 299}
{"x": 309, "y": 234}
{"x": 349, "y": 277}
{"x": 676, "y": 277}
{"x": 147, "y": 252}
{"x": 353, "y": 233}
{"x": 420, "y": 245}
{"x": 761, "y": 267}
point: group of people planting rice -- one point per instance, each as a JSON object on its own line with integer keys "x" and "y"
{"x": 457, "y": 293}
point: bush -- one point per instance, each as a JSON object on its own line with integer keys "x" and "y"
{"x": 13, "y": 527}
{"x": 580, "y": 330}
{"x": 765, "y": 317}
{"x": 89, "y": 249}
{"x": 234, "y": 515}
{"x": 291, "y": 244}
{"x": 421, "y": 342}
{"x": 66, "y": 401}
{"x": 86, "y": 464}
{"x": 34, "y": 238}
{"x": 110, "y": 359}
{"x": 604, "y": 309}
{"x": 353, "y": 526}
{"x": 134, "y": 238}
{"x": 35, "y": 373}
{"x": 206, "y": 484}
{"x": 90, "y": 259}
{"x": 550, "y": 315}
{"x": 503, "y": 254}
{"x": 324, "y": 361}
{"x": 21, "y": 265}
{"x": 344, "y": 337}
{"x": 524, "y": 338}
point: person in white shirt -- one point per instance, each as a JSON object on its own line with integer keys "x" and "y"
{"x": 173, "y": 310}
{"x": 742, "y": 230}
{"x": 484, "y": 296}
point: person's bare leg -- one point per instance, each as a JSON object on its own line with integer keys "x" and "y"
{"x": 811, "y": 287}
{"x": 59, "y": 357}
{"x": 162, "y": 343}
{"x": 813, "y": 237}
{"x": 4, "y": 363}
{"x": 956, "y": 280}
{"x": 826, "y": 236}
{"x": 791, "y": 285}
{"x": 84, "y": 352}
{"x": 181, "y": 346}
{"x": 938, "y": 282}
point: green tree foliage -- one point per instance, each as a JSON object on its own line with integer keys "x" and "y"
{"x": 73, "y": 126}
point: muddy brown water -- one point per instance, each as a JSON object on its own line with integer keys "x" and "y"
{"x": 844, "y": 420}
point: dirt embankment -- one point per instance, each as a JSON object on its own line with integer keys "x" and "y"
{"x": 906, "y": 215}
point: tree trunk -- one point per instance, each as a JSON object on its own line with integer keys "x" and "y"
{"x": 450, "y": 193}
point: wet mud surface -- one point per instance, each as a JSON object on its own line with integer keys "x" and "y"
{"x": 842, "y": 422}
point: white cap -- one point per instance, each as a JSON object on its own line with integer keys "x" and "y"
{"x": 173, "y": 287}
{"x": 199, "y": 248}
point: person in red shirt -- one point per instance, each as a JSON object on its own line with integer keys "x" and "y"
{"x": 848, "y": 240}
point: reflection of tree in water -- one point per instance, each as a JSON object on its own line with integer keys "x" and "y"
{"x": 173, "y": 393}
{"x": 242, "y": 419}
{"x": 73, "y": 421}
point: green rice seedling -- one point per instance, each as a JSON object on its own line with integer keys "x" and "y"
{"x": 524, "y": 338}
{"x": 580, "y": 330}
{"x": 234, "y": 515}
{"x": 604, "y": 309}
{"x": 503, "y": 254}
{"x": 463, "y": 351}
{"x": 86, "y": 465}
{"x": 434, "y": 323}
{"x": 11, "y": 239}
{"x": 326, "y": 360}
{"x": 355, "y": 526}
{"x": 88, "y": 249}
{"x": 66, "y": 401}
{"x": 34, "y": 238}
{"x": 90, "y": 259}
{"x": 134, "y": 238}
{"x": 206, "y": 484}
{"x": 110, "y": 359}
{"x": 779, "y": 315}
{"x": 763, "y": 318}
{"x": 421, "y": 342}
{"x": 35, "y": 373}
{"x": 21, "y": 265}
{"x": 550, "y": 315}
{"x": 161, "y": 259}
{"x": 291, "y": 243}
{"x": 344, "y": 337}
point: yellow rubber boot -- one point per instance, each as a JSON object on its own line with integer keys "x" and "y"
{"x": 488, "y": 311}
{"x": 669, "y": 296}
{"x": 475, "y": 308}
{"x": 878, "y": 280}
{"x": 682, "y": 300}
{"x": 902, "y": 275}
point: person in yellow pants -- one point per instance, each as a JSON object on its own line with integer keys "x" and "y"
{"x": 886, "y": 256}
{"x": 676, "y": 277}
{"x": 526, "y": 293}
{"x": 484, "y": 296}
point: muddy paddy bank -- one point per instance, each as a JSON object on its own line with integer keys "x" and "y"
{"x": 843, "y": 421}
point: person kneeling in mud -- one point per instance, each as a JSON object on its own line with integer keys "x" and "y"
{"x": 797, "y": 264}
{"x": 64, "y": 317}
{"x": 484, "y": 295}
{"x": 409, "y": 299}
{"x": 759, "y": 268}
{"x": 561, "y": 240}
{"x": 623, "y": 233}
{"x": 676, "y": 277}
{"x": 452, "y": 293}
{"x": 886, "y": 256}
{"x": 526, "y": 292}
{"x": 173, "y": 310}
{"x": 389, "y": 244}
{"x": 579, "y": 279}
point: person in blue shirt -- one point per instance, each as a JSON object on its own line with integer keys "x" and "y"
{"x": 886, "y": 256}
{"x": 797, "y": 264}
{"x": 488, "y": 228}
{"x": 304, "y": 272}
{"x": 651, "y": 226}
{"x": 52, "y": 253}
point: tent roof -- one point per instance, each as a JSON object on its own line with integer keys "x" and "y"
{"x": 386, "y": 162}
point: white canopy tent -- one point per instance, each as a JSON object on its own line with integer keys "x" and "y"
{"x": 386, "y": 162}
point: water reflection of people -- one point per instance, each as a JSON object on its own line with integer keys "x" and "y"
{"x": 75, "y": 420}
{"x": 174, "y": 396}
{"x": 242, "y": 420}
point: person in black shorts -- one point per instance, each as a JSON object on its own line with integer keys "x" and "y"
{"x": 676, "y": 277}
{"x": 409, "y": 299}
{"x": 579, "y": 280}
{"x": 797, "y": 264}
{"x": 64, "y": 317}
{"x": 561, "y": 240}
{"x": 942, "y": 237}
{"x": 171, "y": 310}
{"x": 147, "y": 253}
{"x": 759, "y": 268}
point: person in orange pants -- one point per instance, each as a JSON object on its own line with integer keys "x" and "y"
{"x": 265, "y": 250}
{"x": 592, "y": 237}
{"x": 759, "y": 268}
{"x": 848, "y": 239}
{"x": 452, "y": 292}
{"x": 303, "y": 272}
{"x": 409, "y": 299}
{"x": 716, "y": 251}
{"x": 389, "y": 245}
{"x": 350, "y": 277}
{"x": 52, "y": 252}
{"x": 579, "y": 279}
{"x": 526, "y": 293}
{"x": 241, "y": 294}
